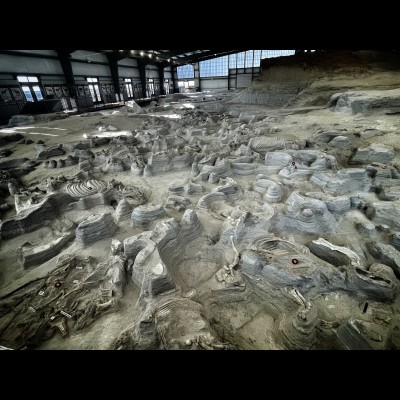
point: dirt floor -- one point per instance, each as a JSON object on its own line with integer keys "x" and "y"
{"x": 256, "y": 323}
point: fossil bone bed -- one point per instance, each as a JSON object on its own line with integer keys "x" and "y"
{"x": 262, "y": 219}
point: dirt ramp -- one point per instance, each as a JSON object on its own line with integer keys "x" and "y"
{"x": 310, "y": 79}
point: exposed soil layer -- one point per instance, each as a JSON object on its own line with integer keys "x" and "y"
{"x": 210, "y": 224}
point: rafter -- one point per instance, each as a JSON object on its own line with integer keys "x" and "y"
{"x": 208, "y": 55}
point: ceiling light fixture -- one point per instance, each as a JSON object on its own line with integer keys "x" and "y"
{"x": 142, "y": 53}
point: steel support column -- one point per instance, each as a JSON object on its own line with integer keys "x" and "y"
{"x": 142, "y": 72}
{"x": 113, "y": 63}
{"x": 65, "y": 61}
{"x": 174, "y": 75}
{"x": 161, "y": 78}
{"x": 197, "y": 79}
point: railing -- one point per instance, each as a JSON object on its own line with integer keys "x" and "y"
{"x": 12, "y": 107}
{"x": 76, "y": 103}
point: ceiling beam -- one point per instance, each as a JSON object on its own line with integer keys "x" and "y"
{"x": 208, "y": 55}
{"x": 172, "y": 56}
{"x": 174, "y": 53}
{"x": 26, "y": 54}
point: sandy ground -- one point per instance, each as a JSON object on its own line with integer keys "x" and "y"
{"x": 102, "y": 333}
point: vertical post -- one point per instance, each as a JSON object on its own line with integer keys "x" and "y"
{"x": 174, "y": 75}
{"x": 197, "y": 79}
{"x": 142, "y": 73}
{"x": 65, "y": 61}
{"x": 113, "y": 64}
{"x": 236, "y": 71}
{"x": 161, "y": 78}
{"x": 252, "y": 68}
{"x": 229, "y": 75}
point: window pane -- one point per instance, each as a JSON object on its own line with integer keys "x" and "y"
{"x": 185, "y": 71}
{"x": 32, "y": 79}
{"x": 214, "y": 67}
{"x": 38, "y": 93}
{"x": 96, "y": 88}
{"x": 27, "y": 93}
{"x": 130, "y": 92}
{"x": 249, "y": 58}
{"x": 92, "y": 92}
{"x": 240, "y": 60}
{"x": 128, "y": 80}
{"x": 94, "y": 79}
{"x": 232, "y": 61}
{"x": 257, "y": 56}
{"x": 22, "y": 79}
